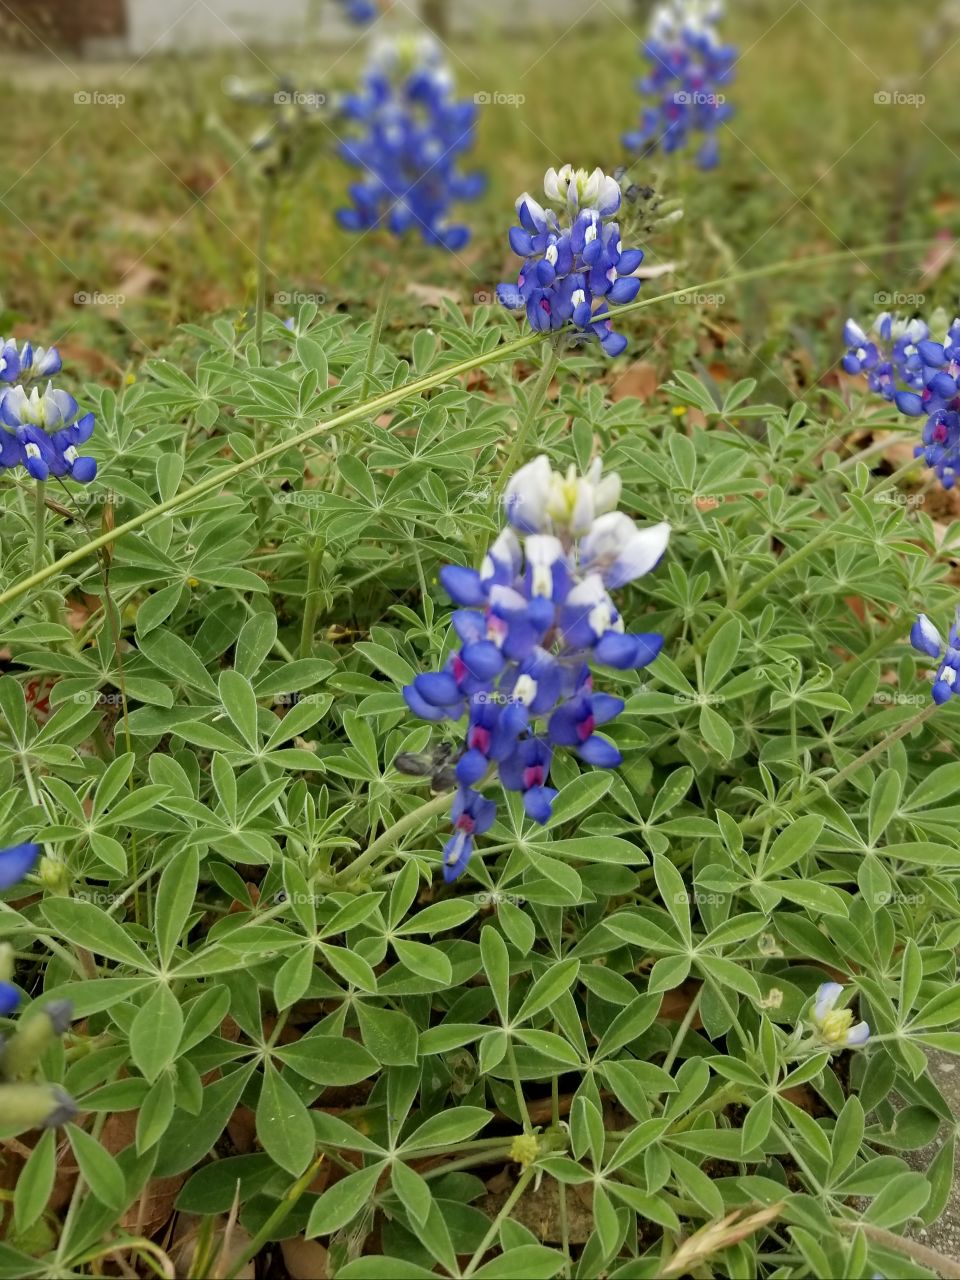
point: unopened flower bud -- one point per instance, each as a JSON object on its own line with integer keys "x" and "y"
{"x": 33, "y": 1034}
{"x": 35, "y": 1106}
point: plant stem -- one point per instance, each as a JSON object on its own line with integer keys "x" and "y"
{"x": 894, "y": 736}
{"x": 217, "y": 479}
{"x": 377, "y": 330}
{"x": 39, "y": 525}
{"x": 939, "y": 1263}
{"x": 535, "y": 403}
{"x": 386, "y": 841}
{"x": 791, "y": 561}
{"x": 311, "y": 602}
{"x": 684, "y": 1027}
{"x": 263, "y": 240}
{"x": 268, "y": 1229}
{"x": 505, "y": 1209}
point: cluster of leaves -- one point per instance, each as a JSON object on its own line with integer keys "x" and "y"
{"x": 239, "y": 892}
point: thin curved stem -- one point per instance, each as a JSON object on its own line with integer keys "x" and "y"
{"x": 409, "y": 391}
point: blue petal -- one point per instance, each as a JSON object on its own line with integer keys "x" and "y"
{"x": 437, "y": 688}
{"x": 420, "y": 708}
{"x": 538, "y": 803}
{"x": 16, "y": 861}
{"x": 598, "y": 751}
{"x": 9, "y": 999}
{"x": 463, "y": 586}
{"x": 909, "y": 403}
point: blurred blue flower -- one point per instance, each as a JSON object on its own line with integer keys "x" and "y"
{"x": 415, "y": 132}
{"x": 16, "y": 861}
{"x": 42, "y": 432}
{"x": 9, "y": 998}
{"x": 575, "y": 263}
{"x": 26, "y": 363}
{"x": 359, "y": 12}
{"x": 919, "y": 375}
{"x": 926, "y": 639}
{"x": 530, "y": 621}
{"x": 689, "y": 66}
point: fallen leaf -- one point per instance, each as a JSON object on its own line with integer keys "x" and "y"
{"x": 638, "y": 382}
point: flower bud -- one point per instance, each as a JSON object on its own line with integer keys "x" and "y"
{"x": 33, "y": 1034}
{"x": 35, "y": 1106}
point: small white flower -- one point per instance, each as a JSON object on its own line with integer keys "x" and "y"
{"x": 617, "y": 550}
{"x": 835, "y": 1026}
{"x": 527, "y": 494}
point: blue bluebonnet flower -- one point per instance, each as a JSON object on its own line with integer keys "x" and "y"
{"x": 9, "y": 995}
{"x": 835, "y": 1027}
{"x": 415, "y": 133}
{"x": 689, "y": 65}
{"x": 359, "y": 12}
{"x": 530, "y": 621}
{"x": 16, "y": 861}
{"x": 925, "y": 638}
{"x": 920, "y": 375}
{"x": 22, "y": 364}
{"x": 42, "y": 433}
{"x": 574, "y": 261}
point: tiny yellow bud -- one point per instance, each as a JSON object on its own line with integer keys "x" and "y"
{"x": 193, "y": 582}
{"x": 525, "y": 1149}
{"x": 130, "y": 379}
{"x": 679, "y": 410}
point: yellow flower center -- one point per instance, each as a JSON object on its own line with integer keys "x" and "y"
{"x": 836, "y": 1025}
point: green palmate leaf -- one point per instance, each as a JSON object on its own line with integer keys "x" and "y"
{"x": 176, "y": 894}
{"x": 329, "y": 1060}
{"x": 496, "y": 964}
{"x": 89, "y": 927}
{"x": 98, "y": 1169}
{"x": 283, "y": 1124}
{"x": 35, "y": 1183}
{"x": 343, "y": 1201}
{"x": 155, "y": 1033}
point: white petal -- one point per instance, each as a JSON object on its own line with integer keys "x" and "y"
{"x": 827, "y": 996}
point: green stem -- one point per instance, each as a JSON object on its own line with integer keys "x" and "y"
{"x": 827, "y": 534}
{"x": 535, "y": 404}
{"x": 377, "y": 331}
{"x": 684, "y": 1027}
{"x": 386, "y": 841}
{"x": 894, "y": 736}
{"x": 39, "y": 525}
{"x": 263, "y": 239}
{"x": 217, "y": 479}
{"x": 311, "y": 603}
{"x": 517, "y": 1084}
{"x": 491, "y": 1234}
{"x": 812, "y": 792}
{"x": 269, "y": 1228}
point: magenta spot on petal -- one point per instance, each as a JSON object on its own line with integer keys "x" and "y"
{"x": 459, "y": 668}
{"x": 940, "y": 432}
{"x": 533, "y": 776}
{"x": 480, "y": 738}
{"x": 545, "y": 305}
{"x": 465, "y": 824}
{"x": 586, "y": 727}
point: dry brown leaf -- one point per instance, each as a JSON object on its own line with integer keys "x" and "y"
{"x": 305, "y": 1259}
{"x": 638, "y": 382}
{"x": 432, "y": 295}
{"x": 939, "y": 257}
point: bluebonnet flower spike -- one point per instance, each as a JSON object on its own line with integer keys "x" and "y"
{"x": 42, "y": 432}
{"x": 22, "y": 364}
{"x": 530, "y": 621}
{"x": 834, "y": 1026}
{"x": 926, "y": 639}
{"x": 689, "y": 67}
{"x": 415, "y": 133}
{"x": 920, "y": 374}
{"x": 575, "y": 264}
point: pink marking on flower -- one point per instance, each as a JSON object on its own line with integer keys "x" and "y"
{"x": 533, "y": 776}
{"x": 940, "y": 432}
{"x": 465, "y": 824}
{"x": 586, "y": 727}
{"x": 479, "y": 738}
{"x": 459, "y": 668}
{"x": 545, "y": 306}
